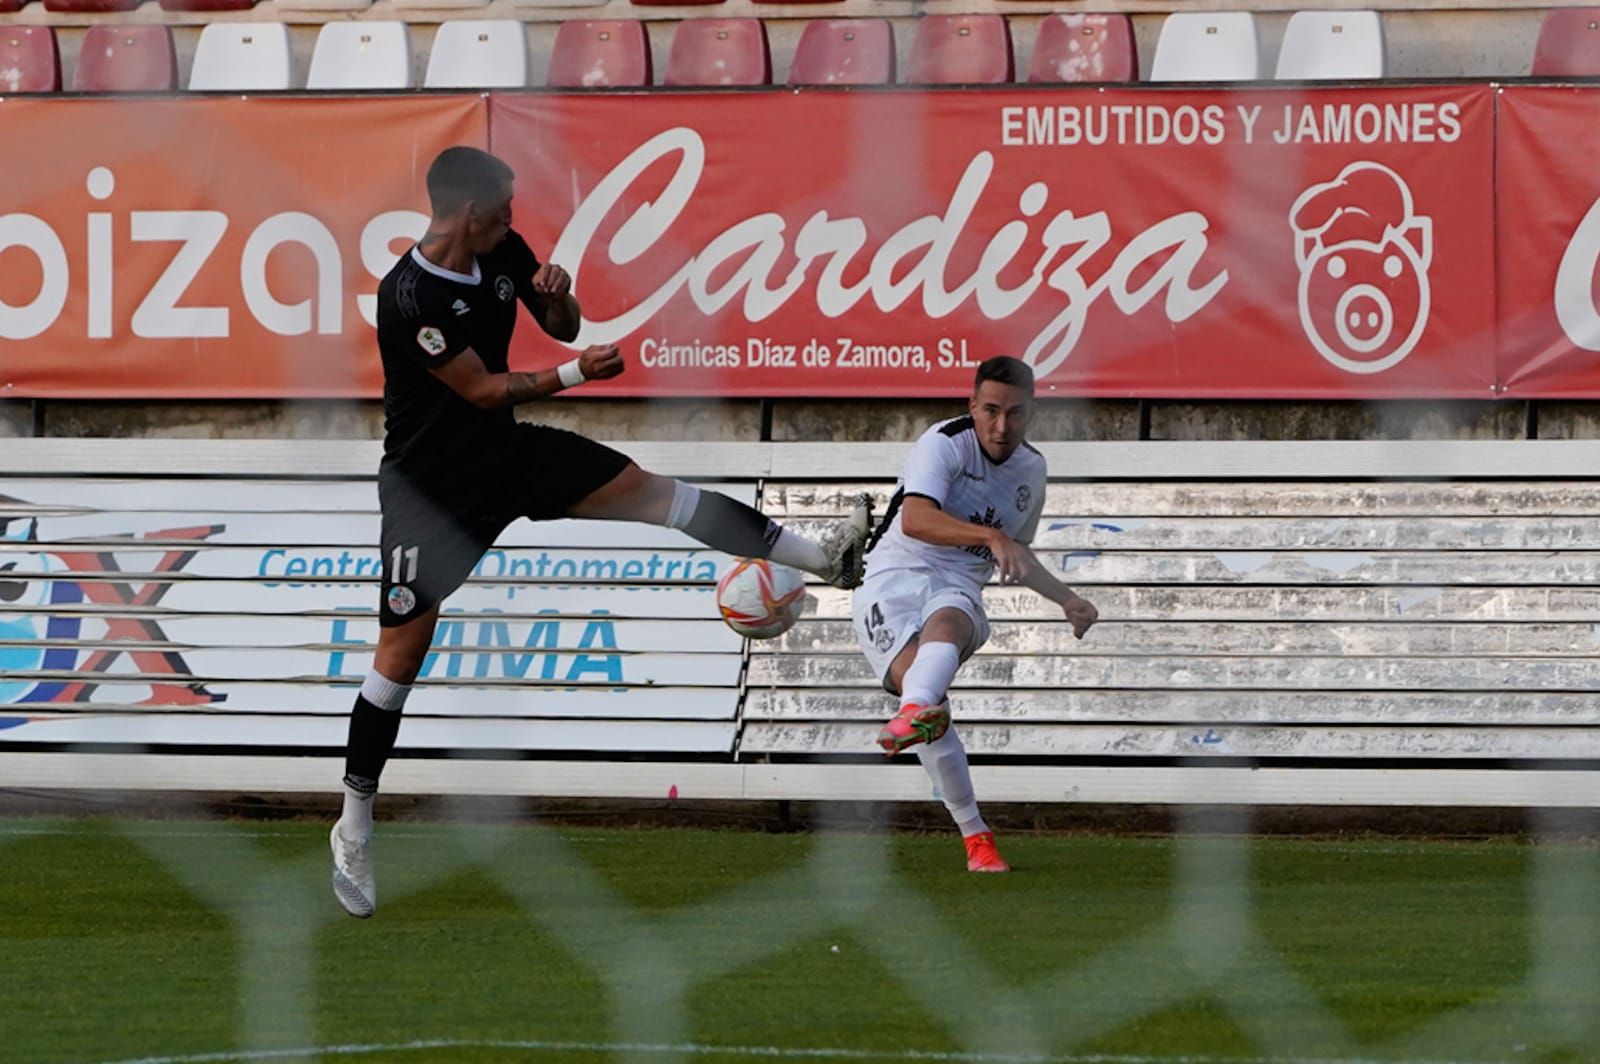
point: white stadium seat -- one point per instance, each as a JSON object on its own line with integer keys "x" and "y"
{"x": 487, "y": 54}
{"x": 361, "y": 55}
{"x": 436, "y": 5}
{"x": 1207, "y": 46}
{"x": 323, "y": 5}
{"x": 242, "y": 57}
{"x": 1332, "y": 46}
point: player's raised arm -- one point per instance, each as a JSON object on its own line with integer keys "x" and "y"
{"x": 468, "y": 377}
{"x": 922, "y": 518}
{"x": 552, "y": 303}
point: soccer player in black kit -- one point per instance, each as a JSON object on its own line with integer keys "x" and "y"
{"x": 458, "y": 467}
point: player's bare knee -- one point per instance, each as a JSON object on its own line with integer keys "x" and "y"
{"x": 402, "y": 649}
{"x": 948, "y": 626}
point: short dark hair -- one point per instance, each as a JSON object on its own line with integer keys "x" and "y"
{"x": 463, "y": 174}
{"x": 1006, "y": 370}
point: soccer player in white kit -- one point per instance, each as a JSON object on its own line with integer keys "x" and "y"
{"x": 967, "y": 504}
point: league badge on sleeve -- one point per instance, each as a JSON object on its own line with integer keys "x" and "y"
{"x": 431, "y": 340}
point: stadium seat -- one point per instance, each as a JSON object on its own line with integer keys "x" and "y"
{"x": 9, "y": 6}
{"x": 960, "y": 50}
{"x": 1207, "y": 46}
{"x": 242, "y": 57}
{"x": 600, "y": 54}
{"x": 719, "y": 51}
{"x": 478, "y": 54}
{"x": 126, "y": 59}
{"x": 1569, "y": 43}
{"x": 29, "y": 59}
{"x": 89, "y": 6}
{"x": 207, "y": 5}
{"x": 324, "y": 5}
{"x": 1331, "y": 46}
{"x": 435, "y": 5}
{"x": 844, "y": 51}
{"x": 361, "y": 55}
{"x": 1084, "y": 48}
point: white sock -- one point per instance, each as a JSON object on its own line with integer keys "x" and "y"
{"x": 685, "y": 497}
{"x": 928, "y": 679}
{"x": 384, "y": 692}
{"x": 945, "y": 762}
{"x": 798, "y": 552}
{"x": 355, "y": 822}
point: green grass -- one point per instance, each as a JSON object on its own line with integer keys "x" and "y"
{"x": 122, "y": 940}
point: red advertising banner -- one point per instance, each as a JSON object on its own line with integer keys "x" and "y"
{"x": 1547, "y": 164}
{"x": 208, "y": 247}
{"x": 1305, "y": 243}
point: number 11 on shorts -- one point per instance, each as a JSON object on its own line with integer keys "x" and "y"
{"x": 409, "y": 557}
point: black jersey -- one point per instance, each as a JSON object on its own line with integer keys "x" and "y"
{"x": 426, "y": 316}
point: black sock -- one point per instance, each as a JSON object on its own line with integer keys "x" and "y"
{"x": 732, "y": 527}
{"x": 372, "y": 735}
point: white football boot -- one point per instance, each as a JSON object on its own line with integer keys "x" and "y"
{"x": 846, "y": 546}
{"x": 353, "y": 884}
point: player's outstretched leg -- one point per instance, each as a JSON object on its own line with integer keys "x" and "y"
{"x": 731, "y": 526}
{"x": 945, "y": 761}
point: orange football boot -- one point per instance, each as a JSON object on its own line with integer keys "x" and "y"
{"x": 912, "y": 725}
{"x": 982, "y": 855}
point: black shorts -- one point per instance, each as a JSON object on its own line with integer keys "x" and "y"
{"x": 435, "y": 531}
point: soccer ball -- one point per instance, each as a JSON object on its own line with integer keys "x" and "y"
{"x": 760, "y": 600}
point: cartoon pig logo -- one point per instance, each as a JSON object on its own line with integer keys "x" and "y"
{"x": 1363, "y": 256}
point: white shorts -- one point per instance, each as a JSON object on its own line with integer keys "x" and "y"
{"x": 893, "y": 605}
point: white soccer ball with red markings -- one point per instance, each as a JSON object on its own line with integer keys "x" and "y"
{"x": 759, "y": 599}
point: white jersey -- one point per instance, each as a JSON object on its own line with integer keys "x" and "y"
{"x": 948, "y": 466}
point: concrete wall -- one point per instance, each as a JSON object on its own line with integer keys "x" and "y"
{"x": 800, "y": 420}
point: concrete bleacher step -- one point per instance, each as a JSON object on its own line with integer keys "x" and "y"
{"x": 1283, "y": 601}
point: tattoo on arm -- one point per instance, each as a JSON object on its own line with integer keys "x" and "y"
{"x": 523, "y": 387}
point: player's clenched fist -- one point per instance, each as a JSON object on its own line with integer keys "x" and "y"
{"x": 601, "y": 362}
{"x": 1081, "y": 613}
{"x": 551, "y": 280}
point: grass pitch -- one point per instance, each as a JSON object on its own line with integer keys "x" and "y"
{"x": 206, "y": 941}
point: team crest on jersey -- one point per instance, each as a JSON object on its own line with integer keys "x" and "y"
{"x": 1024, "y": 497}
{"x": 430, "y": 340}
{"x": 401, "y": 601}
{"x": 884, "y": 640}
{"x": 504, "y": 288}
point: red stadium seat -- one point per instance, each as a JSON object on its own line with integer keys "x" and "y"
{"x": 8, "y": 6}
{"x": 719, "y": 51}
{"x": 600, "y": 54}
{"x": 207, "y": 5}
{"x": 1084, "y": 48}
{"x": 844, "y": 51}
{"x": 126, "y": 59}
{"x": 960, "y": 50}
{"x": 90, "y": 6}
{"x": 29, "y": 59}
{"x": 1569, "y": 43}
